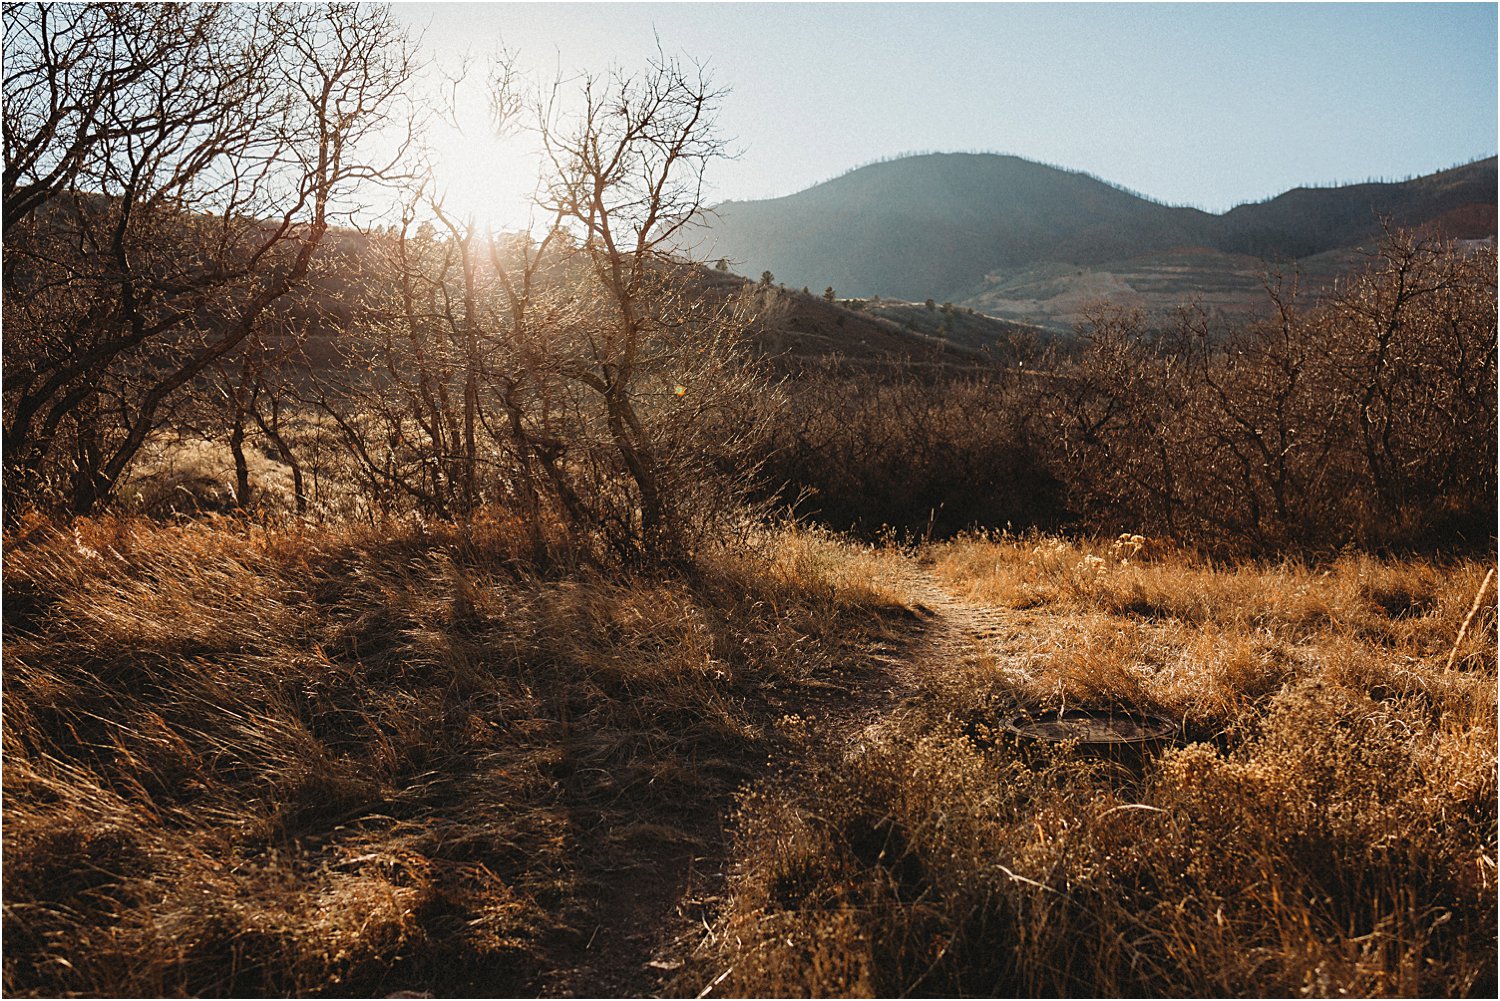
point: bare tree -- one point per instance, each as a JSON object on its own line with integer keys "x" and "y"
{"x": 581, "y": 376}
{"x": 1368, "y": 417}
{"x": 1413, "y": 346}
{"x": 627, "y": 170}
{"x": 64, "y": 66}
{"x": 171, "y": 172}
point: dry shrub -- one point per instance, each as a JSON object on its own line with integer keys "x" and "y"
{"x": 925, "y": 453}
{"x": 1367, "y": 417}
{"x": 341, "y": 760}
{"x": 1363, "y": 415}
{"x": 1333, "y": 852}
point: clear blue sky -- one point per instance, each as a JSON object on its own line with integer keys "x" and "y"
{"x": 1200, "y": 103}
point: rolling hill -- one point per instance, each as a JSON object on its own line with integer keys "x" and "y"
{"x": 798, "y": 328}
{"x": 1028, "y": 241}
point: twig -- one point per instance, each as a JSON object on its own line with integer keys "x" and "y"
{"x": 1478, "y": 597}
{"x": 1132, "y": 806}
{"x": 715, "y": 982}
{"x": 1029, "y": 882}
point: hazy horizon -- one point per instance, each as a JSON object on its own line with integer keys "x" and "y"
{"x": 1200, "y": 104}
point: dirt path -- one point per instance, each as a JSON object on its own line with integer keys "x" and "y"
{"x": 651, "y": 919}
{"x": 956, "y": 630}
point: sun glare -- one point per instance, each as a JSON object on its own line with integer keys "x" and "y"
{"x": 480, "y": 177}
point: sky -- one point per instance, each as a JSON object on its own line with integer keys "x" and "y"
{"x": 1205, "y": 104}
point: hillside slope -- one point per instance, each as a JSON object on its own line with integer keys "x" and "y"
{"x": 1030, "y": 242}
{"x": 1460, "y": 202}
{"x": 931, "y": 225}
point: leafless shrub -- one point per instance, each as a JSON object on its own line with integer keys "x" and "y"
{"x": 170, "y": 172}
{"x": 919, "y": 453}
{"x": 1368, "y": 418}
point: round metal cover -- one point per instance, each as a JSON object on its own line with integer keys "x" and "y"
{"x": 1101, "y": 728}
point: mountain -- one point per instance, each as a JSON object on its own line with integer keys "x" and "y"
{"x": 1460, "y": 202}
{"x": 1029, "y": 241}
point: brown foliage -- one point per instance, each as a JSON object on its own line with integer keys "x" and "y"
{"x": 918, "y": 452}
{"x": 1369, "y": 418}
{"x": 169, "y": 175}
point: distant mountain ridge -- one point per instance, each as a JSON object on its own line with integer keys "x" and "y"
{"x": 955, "y": 226}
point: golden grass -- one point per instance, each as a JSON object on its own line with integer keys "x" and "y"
{"x": 180, "y": 473}
{"x": 1329, "y": 827}
{"x": 341, "y": 760}
{"x": 337, "y": 760}
{"x": 1197, "y": 637}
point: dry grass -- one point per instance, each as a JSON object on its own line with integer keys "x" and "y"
{"x": 178, "y": 474}
{"x": 328, "y": 760}
{"x": 1140, "y": 622}
{"x": 181, "y": 474}
{"x": 1329, "y": 828}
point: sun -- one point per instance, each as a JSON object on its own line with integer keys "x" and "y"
{"x": 479, "y": 177}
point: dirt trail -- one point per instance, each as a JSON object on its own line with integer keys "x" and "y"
{"x": 651, "y": 919}
{"x": 956, "y": 629}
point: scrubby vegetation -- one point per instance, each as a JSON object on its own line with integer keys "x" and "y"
{"x": 912, "y": 451}
{"x": 339, "y": 760}
{"x": 323, "y": 759}
{"x": 1363, "y": 416}
{"x": 407, "y": 609}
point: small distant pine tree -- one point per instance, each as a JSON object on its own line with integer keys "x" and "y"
{"x": 828, "y": 294}
{"x": 805, "y": 290}
{"x": 766, "y": 278}
{"x": 931, "y": 304}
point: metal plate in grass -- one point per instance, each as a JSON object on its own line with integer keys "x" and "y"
{"x": 1111, "y": 733}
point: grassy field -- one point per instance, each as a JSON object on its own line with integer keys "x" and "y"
{"x": 1328, "y": 828}
{"x": 400, "y": 603}
{"x": 349, "y": 761}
